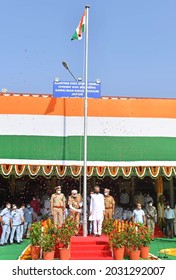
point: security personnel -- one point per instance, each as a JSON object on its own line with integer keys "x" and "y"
{"x": 5, "y": 222}
{"x": 58, "y": 205}
{"x": 75, "y": 204}
{"x": 15, "y": 222}
{"x": 151, "y": 215}
{"x": 109, "y": 204}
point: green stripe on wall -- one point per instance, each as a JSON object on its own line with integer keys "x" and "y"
{"x": 99, "y": 148}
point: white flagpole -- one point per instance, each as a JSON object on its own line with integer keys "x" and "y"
{"x": 85, "y": 127}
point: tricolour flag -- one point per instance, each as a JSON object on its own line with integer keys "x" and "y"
{"x": 81, "y": 28}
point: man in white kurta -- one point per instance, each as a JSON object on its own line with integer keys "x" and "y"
{"x": 97, "y": 209}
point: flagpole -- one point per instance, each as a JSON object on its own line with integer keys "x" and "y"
{"x": 85, "y": 126}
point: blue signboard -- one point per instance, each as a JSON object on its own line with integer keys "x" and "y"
{"x": 76, "y": 89}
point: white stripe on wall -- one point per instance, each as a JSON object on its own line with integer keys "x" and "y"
{"x": 89, "y": 163}
{"x": 39, "y": 125}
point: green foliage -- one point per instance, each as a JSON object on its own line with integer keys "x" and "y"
{"x": 138, "y": 235}
{"x": 48, "y": 242}
{"x": 35, "y": 233}
{"x": 107, "y": 226}
{"x": 117, "y": 239}
{"x": 66, "y": 231}
{"x": 145, "y": 235}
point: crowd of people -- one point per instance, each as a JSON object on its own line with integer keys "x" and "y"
{"x": 16, "y": 221}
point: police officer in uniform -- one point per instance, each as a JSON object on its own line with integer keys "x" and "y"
{"x": 75, "y": 204}
{"x": 5, "y": 216}
{"x": 109, "y": 204}
{"x": 151, "y": 215}
{"x": 58, "y": 205}
{"x": 15, "y": 222}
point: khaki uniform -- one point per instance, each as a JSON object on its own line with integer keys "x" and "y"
{"x": 109, "y": 206}
{"x": 57, "y": 208}
{"x": 151, "y": 215}
{"x": 75, "y": 203}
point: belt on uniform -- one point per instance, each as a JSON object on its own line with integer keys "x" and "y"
{"x": 58, "y": 207}
{"x": 108, "y": 208}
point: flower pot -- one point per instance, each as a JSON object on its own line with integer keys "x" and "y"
{"x": 64, "y": 253}
{"x": 126, "y": 252}
{"x": 118, "y": 253}
{"x": 135, "y": 255}
{"x": 35, "y": 252}
{"x": 48, "y": 255}
{"x": 145, "y": 252}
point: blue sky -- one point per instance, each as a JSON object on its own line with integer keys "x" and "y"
{"x": 132, "y": 45}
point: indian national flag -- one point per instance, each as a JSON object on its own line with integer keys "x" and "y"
{"x": 81, "y": 28}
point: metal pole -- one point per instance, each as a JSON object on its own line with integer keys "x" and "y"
{"x": 85, "y": 128}
{"x": 67, "y": 68}
{"x": 72, "y": 75}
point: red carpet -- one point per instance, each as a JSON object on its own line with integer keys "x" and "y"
{"x": 90, "y": 248}
{"x": 158, "y": 232}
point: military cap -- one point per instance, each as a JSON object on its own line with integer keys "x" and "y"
{"x": 74, "y": 191}
{"x": 58, "y": 188}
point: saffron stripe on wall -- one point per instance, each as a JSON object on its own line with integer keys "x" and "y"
{"x": 131, "y": 107}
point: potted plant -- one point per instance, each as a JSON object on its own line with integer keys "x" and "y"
{"x": 145, "y": 236}
{"x": 35, "y": 239}
{"x": 117, "y": 242}
{"x": 65, "y": 232}
{"x": 133, "y": 242}
{"x": 48, "y": 242}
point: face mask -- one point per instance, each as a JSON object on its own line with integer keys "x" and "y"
{"x": 105, "y": 193}
{"x": 58, "y": 192}
{"x": 150, "y": 204}
{"x": 8, "y": 206}
{"x": 28, "y": 206}
{"x": 14, "y": 208}
{"x": 74, "y": 195}
{"x": 168, "y": 207}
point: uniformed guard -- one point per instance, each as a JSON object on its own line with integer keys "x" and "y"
{"x": 109, "y": 204}
{"x": 75, "y": 204}
{"x": 58, "y": 205}
{"x": 151, "y": 215}
{"x": 15, "y": 222}
{"x": 5, "y": 222}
